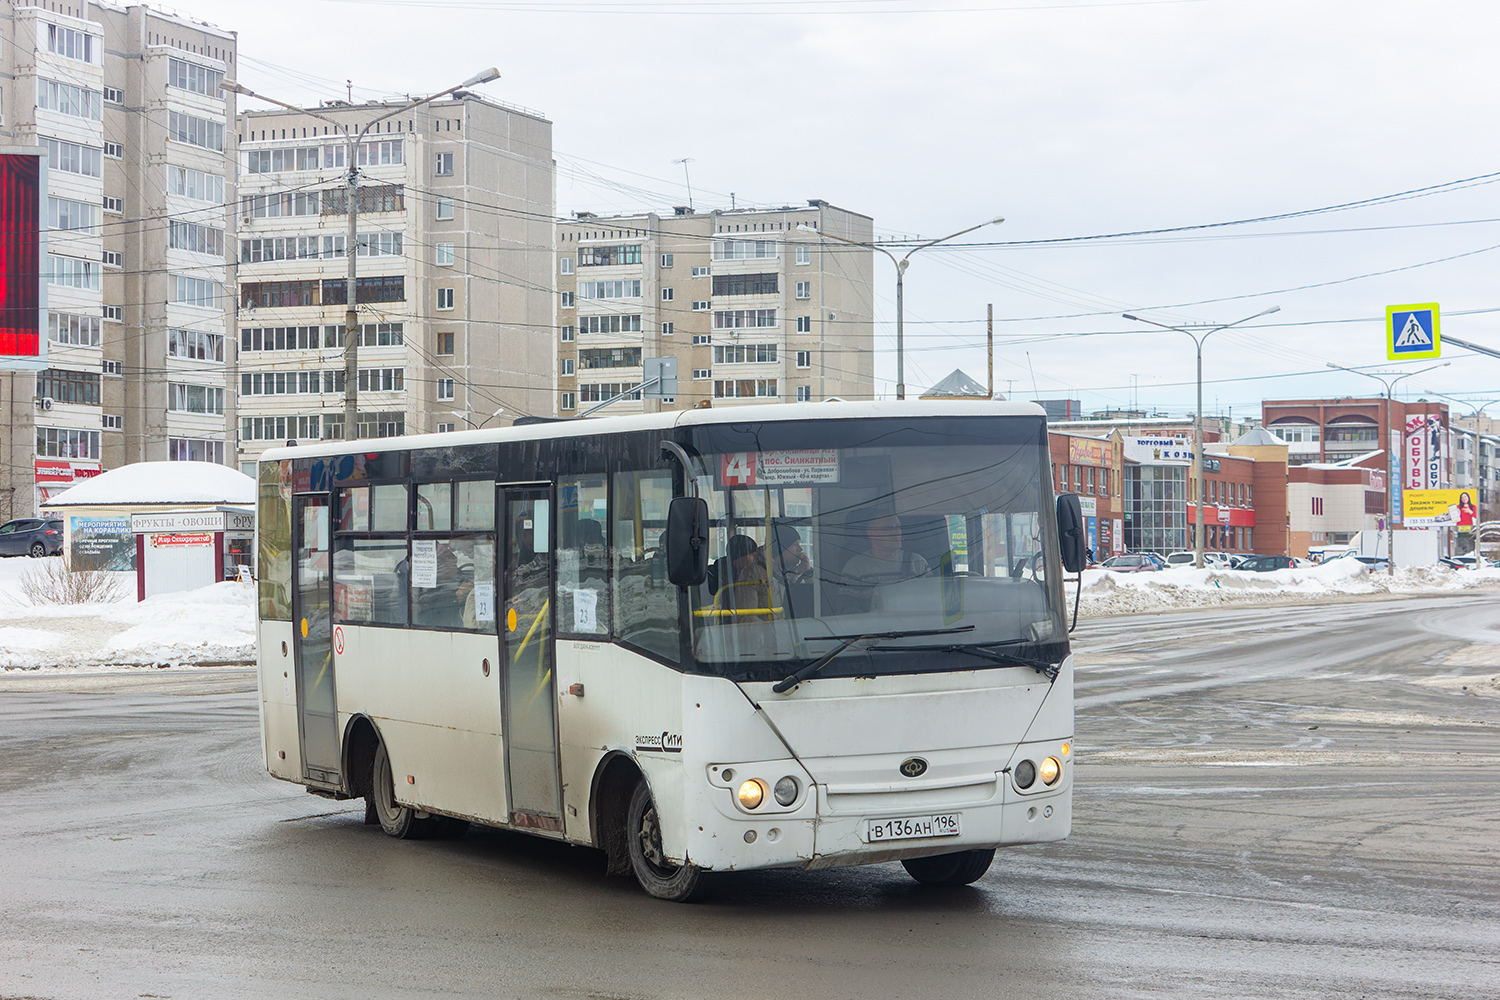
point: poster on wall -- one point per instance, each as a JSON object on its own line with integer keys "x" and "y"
{"x": 101, "y": 543}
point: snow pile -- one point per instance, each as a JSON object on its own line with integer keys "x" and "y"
{"x": 161, "y": 483}
{"x": 1107, "y": 593}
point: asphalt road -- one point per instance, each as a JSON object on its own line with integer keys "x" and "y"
{"x": 1270, "y": 802}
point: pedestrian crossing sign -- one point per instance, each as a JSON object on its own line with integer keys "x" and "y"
{"x": 1411, "y": 332}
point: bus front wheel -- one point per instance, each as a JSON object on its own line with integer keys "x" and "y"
{"x": 961, "y": 868}
{"x": 395, "y": 819}
{"x": 658, "y": 876}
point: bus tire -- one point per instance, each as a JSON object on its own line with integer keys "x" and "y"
{"x": 396, "y": 820}
{"x": 657, "y": 876}
{"x": 961, "y": 868}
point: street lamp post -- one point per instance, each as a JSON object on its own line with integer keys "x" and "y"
{"x": 351, "y": 194}
{"x": 472, "y": 425}
{"x": 1393, "y": 468}
{"x": 901, "y": 266}
{"x": 1199, "y": 333}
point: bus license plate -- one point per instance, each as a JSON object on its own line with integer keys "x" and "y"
{"x": 912, "y": 827}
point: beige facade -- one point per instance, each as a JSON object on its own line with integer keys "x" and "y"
{"x": 124, "y": 99}
{"x": 455, "y": 222}
{"x": 756, "y": 306}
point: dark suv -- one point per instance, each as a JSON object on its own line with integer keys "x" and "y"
{"x": 31, "y": 536}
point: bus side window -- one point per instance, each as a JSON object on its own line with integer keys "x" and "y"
{"x": 582, "y": 558}
{"x": 645, "y": 602}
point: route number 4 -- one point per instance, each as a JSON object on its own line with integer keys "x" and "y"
{"x": 738, "y": 468}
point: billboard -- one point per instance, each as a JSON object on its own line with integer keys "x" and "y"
{"x": 23, "y": 182}
{"x": 1440, "y": 508}
{"x": 1159, "y": 450}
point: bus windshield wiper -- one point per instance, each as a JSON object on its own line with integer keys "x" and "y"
{"x": 787, "y": 683}
{"x": 1049, "y": 670}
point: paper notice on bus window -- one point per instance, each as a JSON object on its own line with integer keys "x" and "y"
{"x": 779, "y": 468}
{"x": 424, "y": 562}
{"x": 585, "y": 610}
{"x": 484, "y": 602}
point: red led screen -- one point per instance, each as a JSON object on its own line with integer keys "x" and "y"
{"x": 20, "y": 264}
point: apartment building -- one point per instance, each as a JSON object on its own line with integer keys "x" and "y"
{"x": 756, "y": 305}
{"x": 455, "y": 284}
{"x": 139, "y": 148}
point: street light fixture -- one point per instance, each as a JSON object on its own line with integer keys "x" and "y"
{"x": 351, "y": 317}
{"x": 472, "y": 425}
{"x": 1200, "y": 332}
{"x": 901, "y": 266}
{"x": 1389, "y": 380}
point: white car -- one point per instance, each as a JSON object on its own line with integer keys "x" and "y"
{"x": 1212, "y": 560}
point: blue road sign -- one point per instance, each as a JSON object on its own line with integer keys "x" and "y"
{"x": 1411, "y": 332}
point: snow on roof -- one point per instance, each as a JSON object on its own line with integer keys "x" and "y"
{"x": 1259, "y": 436}
{"x": 160, "y": 483}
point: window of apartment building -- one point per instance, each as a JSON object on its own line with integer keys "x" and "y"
{"x": 69, "y": 99}
{"x": 72, "y": 44}
{"x": 592, "y": 392}
{"x": 445, "y": 344}
{"x": 804, "y": 324}
{"x": 114, "y": 95}
{"x": 195, "y": 345}
{"x": 609, "y": 357}
{"x": 194, "y": 398}
{"x": 804, "y": 289}
{"x": 72, "y": 158}
{"x": 566, "y": 265}
{"x": 610, "y": 323}
{"x": 114, "y": 258}
{"x": 275, "y": 161}
{"x": 445, "y": 298}
{"x": 666, "y": 329}
{"x": 804, "y": 359}
{"x": 804, "y": 393}
{"x": 195, "y": 238}
{"x": 444, "y": 255}
{"x": 568, "y": 366}
{"x": 746, "y": 284}
{"x": 744, "y": 319}
{"x": 744, "y": 354}
{"x": 443, "y": 164}
{"x": 114, "y": 314}
{"x": 445, "y": 388}
{"x": 114, "y": 150}
{"x": 328, "y": 381}
{"x": 445, "y": 208}
{"x": 379, "y": 288}
{"x": 112, "y": 421}
{"x": 702, "y": 338}
{"x": 196, "y": 184}
{"x": 379, "y": 244}
{"x": 195, "y": 131}
{"x": 280, "y": 294}
{"x": 382, "y": 380}
{"x": 606, "y": 256}
{"x": 112, "y": 367}
{"x": 114, "y": 206}
{"x": 372, "y": 198}
{"x": 744, "y": 249}
{"x": 73, "y": 216}
{"x": 804, "y": 255}
{"x": 445, "y": 428}
{"x": 666, "y": 260}
{"x": 276, "y": 206}
{"x": 744, "y": 388}
{"x": 666, "y": 295}
{"x": 1317, "y": 506}
{"x": 627, "y": 288}
{"x": 569, "y": 401}
{"x": 73, "y": 329}
{"x": 381, "y": 153}
{"x": 702, "y": 305}
{"x": 702, "y": 272}
{"x": 702, "y": 374}
{"x": 567, "y": 299}
{"x": 567, "y": 334}
{"x": 63, "y": 386}
{"x": 73, "y": 272}
{"x": 185, "y": 75}
{"x": 195, "y": 450}
{"x": 60, "y": 442}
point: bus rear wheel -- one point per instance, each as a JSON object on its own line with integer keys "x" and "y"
{"x": 395, "y": 819}
{"x": 658, "y": 876}
{"x": 961, "y": 868}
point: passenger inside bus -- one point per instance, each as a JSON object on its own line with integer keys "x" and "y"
{"x": 742, "y": 584}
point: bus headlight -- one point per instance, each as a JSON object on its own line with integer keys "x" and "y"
{"x": 786, "y": 791}
{"x": 1051, "y": 771}
{"x": 752, "y": 793}
{"x": 1025, "y": 774}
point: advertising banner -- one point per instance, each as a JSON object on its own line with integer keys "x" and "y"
{"x": 1414, "y": 453}
{"x": 101, "y": 543}
{"x": 1439, "y": 508}
{"x": 1159, "y": 450}
{"x": 1088, "y": 451}
{"x": 23, "y": 179}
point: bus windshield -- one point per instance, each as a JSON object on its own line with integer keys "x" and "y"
{"x": 827, "y": 530}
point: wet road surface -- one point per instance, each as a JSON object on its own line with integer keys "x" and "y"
{"x": 1270, "y": 802}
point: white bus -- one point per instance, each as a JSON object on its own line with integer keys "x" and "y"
{"x": 707, "y": 641}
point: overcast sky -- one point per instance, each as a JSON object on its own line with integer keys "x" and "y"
{"x": 1071, "y": 119}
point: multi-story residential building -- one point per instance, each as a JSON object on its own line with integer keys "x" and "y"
{"x": 126, "y": 102}
{"x": 755, "y": 304}
{"x": 455, "y": 288}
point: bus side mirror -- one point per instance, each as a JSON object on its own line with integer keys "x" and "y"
{"x": 1070, "y": 535}
{"x": 687, "y": 541}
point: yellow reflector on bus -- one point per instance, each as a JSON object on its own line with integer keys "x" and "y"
{"x": 510, "y": 619}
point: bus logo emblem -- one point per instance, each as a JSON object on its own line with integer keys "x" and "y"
{"x": 914, "y": 767}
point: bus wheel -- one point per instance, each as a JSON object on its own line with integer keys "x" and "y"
{"x": 396, "y": 820}
{"x": 962, "y": 868}
{"x": 653, "y": 871}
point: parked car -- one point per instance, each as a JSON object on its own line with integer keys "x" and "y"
{"x": 1211, "y": 560}
{"x": 1466, "y": 562}
{"x": 1265, "y": 564}
{"x": 1133, "y": 562}
{"x": 31, "y": 536}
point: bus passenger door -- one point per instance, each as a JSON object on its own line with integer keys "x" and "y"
{"x": 312, "y": 641}
{"x": 530, "y": 682}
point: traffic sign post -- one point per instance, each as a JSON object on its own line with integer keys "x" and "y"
{"x": 1411, "y": 332}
